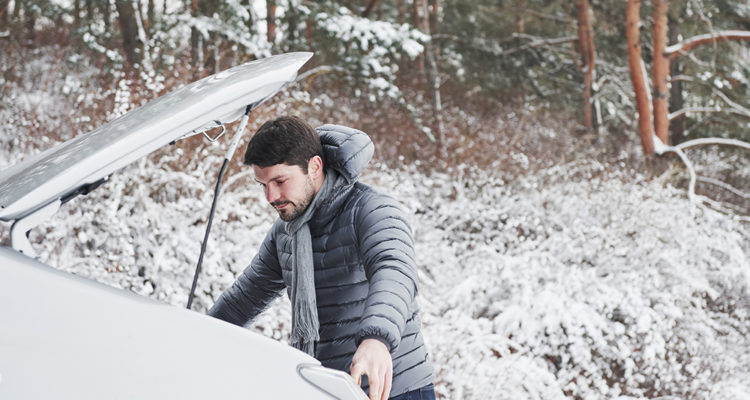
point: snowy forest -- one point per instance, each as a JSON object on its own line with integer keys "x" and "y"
{"x": 577, "y": 172}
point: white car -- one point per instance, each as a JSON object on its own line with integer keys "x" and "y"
{"x": 67, "y": 337}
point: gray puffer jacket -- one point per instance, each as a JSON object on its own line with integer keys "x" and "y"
{"x": 365, "y": 273}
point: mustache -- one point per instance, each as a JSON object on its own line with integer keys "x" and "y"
{"x": 279, "y": 203}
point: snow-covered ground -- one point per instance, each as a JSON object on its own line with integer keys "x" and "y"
{"x": 583, "y": 280}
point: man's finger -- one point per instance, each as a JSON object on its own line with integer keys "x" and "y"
{"x": 356, "y": 373}
{"x": 387, "y": 381}
{"x": 375, "y": 386}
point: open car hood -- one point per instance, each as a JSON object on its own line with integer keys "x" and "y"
{"x": 78, "y": 164}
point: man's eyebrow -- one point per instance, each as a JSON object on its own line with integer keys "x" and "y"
{"x": 271, "y": 179}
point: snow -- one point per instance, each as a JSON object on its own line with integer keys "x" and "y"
{"x": 580, "y": 280}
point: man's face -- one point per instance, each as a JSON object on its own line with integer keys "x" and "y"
{"x": 287, "y": 189}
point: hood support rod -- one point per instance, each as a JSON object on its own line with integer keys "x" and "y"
{"x": 230, "y": 152}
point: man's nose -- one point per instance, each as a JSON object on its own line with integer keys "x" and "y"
{"x": 272, "y": 194}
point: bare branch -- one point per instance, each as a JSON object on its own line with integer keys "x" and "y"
{"x": 538, "y": 42}
{"x": 734, "y": 107}
{"x": 710, "y": 141}
{"x": 695, "y": 41}
{"x": 680, "y": 113}
{"x": 314, "y": 72}
{"x": 661, "y": 148}
{"x": 725, "y": 186}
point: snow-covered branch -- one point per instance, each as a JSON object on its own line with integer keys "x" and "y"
{"x": 724, "y": 186}
{"x": 661, "y": 148}
{"x": 681, "y": 112}
{"x": 323, "y": 69}
{"x": 734, "y": 107}
{"x": 695, "y": 41}
{"x": 709, "y": 141}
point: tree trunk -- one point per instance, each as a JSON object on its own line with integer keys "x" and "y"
{"x": 150, "y": 18}
{"x": 4, "y": 15}
{"x": 433, "y": 81}
{"x": 76, "y": 13}
{"x": 250, "y": 20}
{"x": 30, "y": 20}
{"x": 661, "y": 71}
{"x": 106, "y": 12}
{"x": 676, "y": 100}
{"x": 271, "y": 20}
{"x": 129, "y": 31}
{"x": 586, "y": 48}
{"x": 196, "y": 59}
{"x": 368, "y": 9}
{"x": 90, "y": 10}
{"x": 401, "y": 12}
{"x": 637, "y": 75}
{"x": 435, "y": 24}
{"x": 292, "y": 21}
{"x": 416, "y": 21}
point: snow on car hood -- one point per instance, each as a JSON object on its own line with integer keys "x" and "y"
{"x": 84, "y": 160}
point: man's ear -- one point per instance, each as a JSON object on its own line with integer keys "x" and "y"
{"x": 315, "y": 166}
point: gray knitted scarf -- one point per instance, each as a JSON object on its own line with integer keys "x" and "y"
{"x": 305, "y": 324}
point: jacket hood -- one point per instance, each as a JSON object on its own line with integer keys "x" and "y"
{"x": 346, "y": 150}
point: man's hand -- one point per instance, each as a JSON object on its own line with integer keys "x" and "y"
{"x": 373, "y": 359}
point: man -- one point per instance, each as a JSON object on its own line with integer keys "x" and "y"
{"x": 344, "y": 253}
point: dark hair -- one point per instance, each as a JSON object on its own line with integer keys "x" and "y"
{"x": 284, "y": 140}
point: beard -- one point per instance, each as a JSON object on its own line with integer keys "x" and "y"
{"x": 299, "y": 207}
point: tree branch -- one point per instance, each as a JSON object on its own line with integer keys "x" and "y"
{"x": 695, "y": 41}
{"x": 734, "y": 107}
{"x": 661, "y": 148}
{"x": 314, "y": 72}
{"x": 681, "y": 112}
{"x": 710, "y": 141}
{"x": 725, "y": 186}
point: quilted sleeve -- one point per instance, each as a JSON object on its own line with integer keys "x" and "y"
{"x": 252, "y": 292}
{"x": 387, "y": 251}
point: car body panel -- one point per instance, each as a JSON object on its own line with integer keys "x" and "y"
{"x": 86, "y": 159}
{"x": 67, "y": 337}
